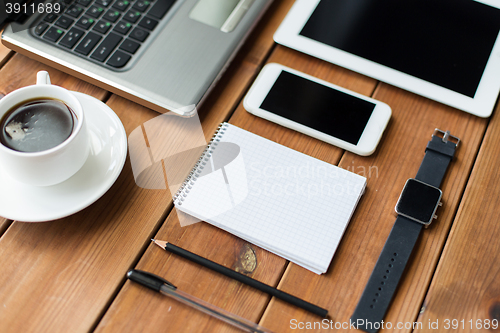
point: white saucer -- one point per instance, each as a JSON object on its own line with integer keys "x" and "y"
{"x": 108, "y": 152}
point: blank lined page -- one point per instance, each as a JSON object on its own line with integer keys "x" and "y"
{"x": 289, "y": 203}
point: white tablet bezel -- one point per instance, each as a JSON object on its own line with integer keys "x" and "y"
{"x": 369, "y": 138}
{"x": 481, "y": 105}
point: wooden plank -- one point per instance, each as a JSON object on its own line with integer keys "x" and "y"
{"x": 137, "y": 308}
{"x": 466, "y": 288}
{"x": 5, "y": 53}
{"x": 4, "y": 224}
{"x": 397, "y": 158}
{"x": 21, "y": 71}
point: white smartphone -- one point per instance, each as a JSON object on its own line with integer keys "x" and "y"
{"x": 318, "y": 108}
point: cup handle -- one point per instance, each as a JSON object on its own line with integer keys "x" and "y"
{"x": 42, "y": 77}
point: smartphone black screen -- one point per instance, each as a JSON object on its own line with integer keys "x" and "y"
{"x": 445, "y": 42}
{"x": 319, "y": 107}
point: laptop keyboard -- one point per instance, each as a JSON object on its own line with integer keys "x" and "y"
{"x": 108, "y": 32}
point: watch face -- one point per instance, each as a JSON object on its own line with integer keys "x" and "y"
{"x": 418, "y": 201}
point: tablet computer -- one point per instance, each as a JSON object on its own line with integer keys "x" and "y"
{"x": 445, "y": 50}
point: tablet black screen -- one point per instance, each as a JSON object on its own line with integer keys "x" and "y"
{"x": 445, "y": 42}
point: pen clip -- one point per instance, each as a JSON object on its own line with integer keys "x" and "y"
{"x": 149, "y": 280}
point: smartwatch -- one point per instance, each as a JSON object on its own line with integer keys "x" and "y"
{"x": 416, "y": 208}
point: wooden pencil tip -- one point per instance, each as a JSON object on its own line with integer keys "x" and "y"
{"x": 161, "y": 244}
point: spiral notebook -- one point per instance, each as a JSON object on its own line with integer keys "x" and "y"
{"x": 284, "y": 201}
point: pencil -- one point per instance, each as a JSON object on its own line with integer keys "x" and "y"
{"x": 242, "y": 278}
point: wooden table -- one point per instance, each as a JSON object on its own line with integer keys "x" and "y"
{"x": 69, "y": 275}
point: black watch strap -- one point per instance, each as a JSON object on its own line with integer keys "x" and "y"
{"x": 397, "y": 250}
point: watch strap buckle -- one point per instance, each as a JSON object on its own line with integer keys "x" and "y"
{"x": 446, "y": 136}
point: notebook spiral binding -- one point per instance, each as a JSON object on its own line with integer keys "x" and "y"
{"x": 186, "y": 186}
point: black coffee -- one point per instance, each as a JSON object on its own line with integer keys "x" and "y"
{"x": 36, "y": 125}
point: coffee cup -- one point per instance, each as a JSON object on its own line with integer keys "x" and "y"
{"x": 47, "y": 166}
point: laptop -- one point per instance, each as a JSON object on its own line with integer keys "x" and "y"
{"x": 163, "y": 54}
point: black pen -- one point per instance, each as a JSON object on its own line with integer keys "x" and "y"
{"x": 161, "y": 285}
{"x": 242, "y": 278}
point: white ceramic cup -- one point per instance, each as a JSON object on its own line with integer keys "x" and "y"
{"x": 51, "y": 166}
